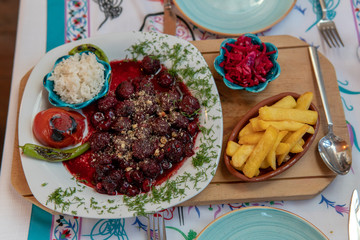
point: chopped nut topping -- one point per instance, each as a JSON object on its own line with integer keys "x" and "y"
{"x": 163, "y": 140}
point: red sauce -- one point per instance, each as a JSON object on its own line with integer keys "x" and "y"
{"x": 81, "y": 167}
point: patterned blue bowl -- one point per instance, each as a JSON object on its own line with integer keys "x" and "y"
{"x": 271, "y": 75}
{"x": 55, "y": 99}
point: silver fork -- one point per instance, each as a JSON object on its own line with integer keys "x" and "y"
{"x": 155, "y": 230}
{"x": 327, "y": 28}
{"x": 181, "y": 215}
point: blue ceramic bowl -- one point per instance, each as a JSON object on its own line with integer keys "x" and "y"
{"x": 271, "y": 76}
{"x": 55, "y": 98}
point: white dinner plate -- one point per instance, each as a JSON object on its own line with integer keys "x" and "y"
{"x": 234, "y": 17}
{"x": 268, "y": 223}
{"x": 50, "y": 181}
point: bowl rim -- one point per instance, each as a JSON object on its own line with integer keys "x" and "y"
{"x": 254, "y": 112}
{"x": 261, "y": 86}
{"x": 59, "y": 103}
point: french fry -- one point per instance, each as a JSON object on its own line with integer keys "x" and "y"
{"x": 287, "y": 136}
{"x": 298, "y": 115}
{"x": 304, "y": 101}
{"x": 296, "y": 148}
{"x": 241, "y": 155}
{"x": 231, "y": 148}
{"x": 301, "y": 142}
{"x": 282, "y": 148}
{"x": 255, "y": 124}
{"x": 246, "y": 130}
{"x": 268, "y": 139}
{"x": 271, "y": 157}
{"x": 260, "y": 151}
{"x": 292, "y": 140}
{"x": 264, "y": 165}
{"x": 281, "y": 125}
{"x": 251, "y": 139}
{"x": 285, "y": 102}
{"x": 285, "y": 147}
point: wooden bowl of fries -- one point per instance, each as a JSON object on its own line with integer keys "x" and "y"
{"x": 272, "y": 136}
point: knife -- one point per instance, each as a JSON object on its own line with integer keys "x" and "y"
{"x": 354, "y": 217}
{"x": 169, "y": 19}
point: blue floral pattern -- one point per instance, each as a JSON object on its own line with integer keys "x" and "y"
{"x": 77, "y": 20}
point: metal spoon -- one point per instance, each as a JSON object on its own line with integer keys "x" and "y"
{"x": 334, "y": 151}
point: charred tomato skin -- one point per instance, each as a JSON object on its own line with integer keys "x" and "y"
{"x": 58, "y": 128}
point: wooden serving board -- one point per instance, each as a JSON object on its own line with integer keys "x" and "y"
{"x": 307, "y": 178}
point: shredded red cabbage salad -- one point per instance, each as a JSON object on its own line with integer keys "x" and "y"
{"x": 245, "y": 64}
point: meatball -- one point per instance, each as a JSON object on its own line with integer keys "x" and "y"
{"x": 124, "y": 108}
{"x": 124, "y": 90}
{"x": 150, "y": 65}
{"x": 150, "y": 168}
{"x": 106, "y": 103}
{"x": 174, "y": 150}
{"x": 184, "y": 137}
{"x": 145, "y": 85}
{"x": 107, "y": 185}
{"x": 101, "y": 121}
{"x": 160, "y": 126}
{"x": 189, "y": 105}
{"x": 121, "y": 124}
{"x": 178, "y": 120}
{"x": 165, "y": 80}
{"x": 143, "y": 130}
{"x": 135, "y": 176}
{"x": 99, "y": 140}
{"x": 169, "y": 100}
{"x": 143, "y": 148}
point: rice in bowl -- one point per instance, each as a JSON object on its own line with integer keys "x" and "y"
{"x": 78, "y": 78}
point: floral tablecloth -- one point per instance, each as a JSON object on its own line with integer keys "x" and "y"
{"x": 69, "y": 20}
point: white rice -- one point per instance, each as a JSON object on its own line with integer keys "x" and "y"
{"x": 78, "y": 78}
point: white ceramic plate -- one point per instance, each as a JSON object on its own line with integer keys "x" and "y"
{"x": 261, "y": 223}
{"x": 234, "y": 17}
{"x": 51, "y": 180}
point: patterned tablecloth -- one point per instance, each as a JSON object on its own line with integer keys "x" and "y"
{"x": 69, "y": 20}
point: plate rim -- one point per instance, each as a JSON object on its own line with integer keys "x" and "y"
{"x": 252, "y": 208}
{"x": 232, "y": 34}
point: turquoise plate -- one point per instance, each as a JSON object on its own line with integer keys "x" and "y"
{"x": 234, "y": 17}
{"x": 260, "y": 223}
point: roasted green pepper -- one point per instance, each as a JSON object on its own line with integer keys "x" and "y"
{"x": 92, "y": 48}
{"x": 53, "y": 154}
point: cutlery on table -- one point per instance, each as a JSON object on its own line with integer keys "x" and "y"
{"x": 169, "y": 19}
{"x": 334, "y": 151}
{"x": 155, "y": 229}
{"x": 354, "y": 217}
{"x": 328, "y": 29}
{"x": 181, "y": 215}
